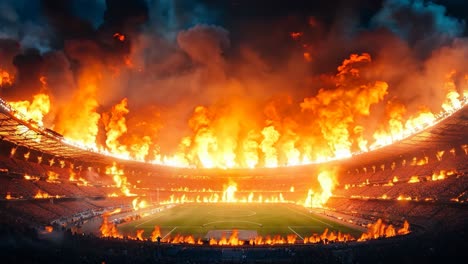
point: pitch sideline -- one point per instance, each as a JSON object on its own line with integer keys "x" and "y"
{"x": 295, "y": 233}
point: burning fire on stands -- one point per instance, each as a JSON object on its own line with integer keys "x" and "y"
{"x": 139, "y": 204}
{"x": 327, "y": 179}
{"x": 35, "y": 110}
{"x": 41, "y": 195}
{"x": 328, "y": 125}
{"x": 120, "y": 179}
{"x": 379, "y": 229}
{"x": 80, "y": 181}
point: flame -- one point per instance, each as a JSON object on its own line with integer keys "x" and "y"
{"x": 375, "y": 231}
{"x": 80, "y": 127}
{"x": 31, "y": 178}
{"x": 442, "y": 175}
{"x": 120, "y": 37}
{"x": 6, "y": 78}
{"x": 307, "y": 56}
{"x": 33, "y": 111}
{"x": 139, "y": 234}
{"x": 270, "y": 136}
{"x": 318, "y": 128}
{"x": 296, "y": 35}
{"x": 155, "y": 234}
{"x": 327, "y": 237}
{"x": 107, "y": 228}
{"x": 115, "y": 125}
{"x": 139, "y": 204}
{"x": 335, "y": 119}
{"x": 119, "y": 179}
{"x": 13, "y": 152}
{"x": 52, "y": 177}
{"x": 80, "y": 181}
{"x": 233, "y": 240}
{"x": 413, "y": 179}
{"x": 41, "y": 195}
{"x": 229, "y": 193}
{"x": 404, "y": 198}
{"x": 380, "y": 229}
{"x": 49, "y": 229}
{"x": 405, "y": 229}
{"x": 327, "y": 180}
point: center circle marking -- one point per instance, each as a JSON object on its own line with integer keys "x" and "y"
{"x": 232, "y": 213}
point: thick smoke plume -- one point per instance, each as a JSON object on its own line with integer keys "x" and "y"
{"x": 205, "y": 84}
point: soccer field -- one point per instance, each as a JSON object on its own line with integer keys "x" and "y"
{"x": 265, "y": 219}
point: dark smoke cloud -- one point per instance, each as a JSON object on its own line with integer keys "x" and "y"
{"x": 424, "y": 25}
{"x": 23, "y": 21}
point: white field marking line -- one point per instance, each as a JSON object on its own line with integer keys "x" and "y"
{"x": 170, "y": 232}
{"x": 251, "y": 213}
{"x": 148, "y": 220}
{"x": 298, "y": 212}
{"x": 232, "y": 222}
{"x": 309, "y": 226}
{"x": 295, "y": 233}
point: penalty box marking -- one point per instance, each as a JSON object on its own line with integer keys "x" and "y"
{"x": 258, "y": 224}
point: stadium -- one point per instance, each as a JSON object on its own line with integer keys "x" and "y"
{"x": 270, "y": 149}
{"x": 430, "y": 193}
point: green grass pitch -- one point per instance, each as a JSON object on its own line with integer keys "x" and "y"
{"x": 266, "y": 219}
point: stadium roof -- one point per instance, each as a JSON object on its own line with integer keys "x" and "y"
{"x": 449, "y": 132}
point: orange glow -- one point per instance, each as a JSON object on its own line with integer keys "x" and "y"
{"x": 404, "y": 198}
{"x": 413, "y": 179}
{"x": 296, "y": 35}
{"x": 41, "y": 195}
{"x": 52, "y": 177}
{"x": 119, "y": 36}
{"x": 6, "y": 78}
{"x": 49, "y": 229}
{"x": 31, "y": 178}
